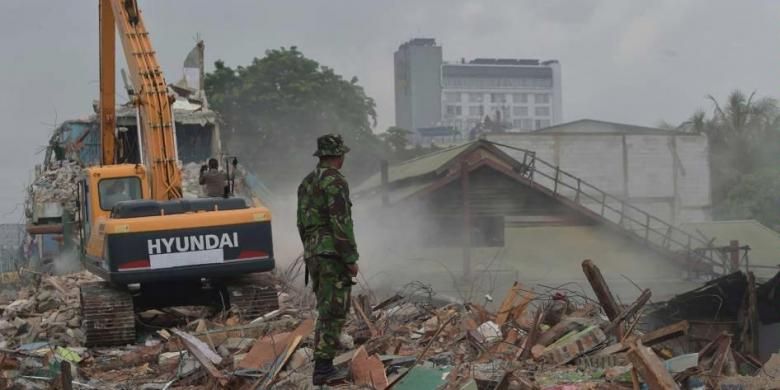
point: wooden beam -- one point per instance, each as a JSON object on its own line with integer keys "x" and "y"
{"x": 204, "y": 355}
{"x": 506, "y": 305}
{"x": 362, "y": 314}
{"x": 601, "y": 289}
{"x": 651, "y": 338}
{"x": 617, "y": 323}
{"x": 650, "y": 367}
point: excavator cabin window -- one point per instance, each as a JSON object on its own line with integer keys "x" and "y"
{"x": 115, "y": 190}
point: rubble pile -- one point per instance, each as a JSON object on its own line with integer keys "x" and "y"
{"x": 411, "y": 340}
{"x": 47, "y": 310}
{"x": 190, "y": 173}
{"x": 58, "y": 183}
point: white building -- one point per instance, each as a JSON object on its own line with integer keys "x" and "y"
{"x": 524, "y": 95}
{"x": 664, "y": 172}
{"x": 433, "y": 97}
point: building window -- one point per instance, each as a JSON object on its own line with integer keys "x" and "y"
{"x": 542, "y": 123}
{"x": 476, "y": 110}
{"x": 520, "y": 98}
{"x": 527, "y": 124}
{"x": 498, "y": 98}
{"x": 542, "y": 111}
{"x": 452, "y": 97}
{"x": 520, "y": 111}
{"x": 542, "y": 98}
{"x": 453, "y": 110}
{"x": 476, "y": 97}
{"x": 471, "y": 123}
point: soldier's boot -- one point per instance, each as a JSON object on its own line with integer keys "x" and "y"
{"x": 324, "y": 372}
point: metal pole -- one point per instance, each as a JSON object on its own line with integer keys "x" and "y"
{"x": 466, "y": 228}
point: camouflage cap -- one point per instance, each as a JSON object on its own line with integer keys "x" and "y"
{"x": 330, "y": 145}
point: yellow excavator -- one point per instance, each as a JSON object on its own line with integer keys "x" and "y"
{"x": 151, "y": 247}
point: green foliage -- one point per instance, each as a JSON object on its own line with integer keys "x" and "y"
{"x": 754, "y": 196}
{"x": 273, "y": 110}
{"x": 744, "y": 137}
{"x": 396, "y": 141}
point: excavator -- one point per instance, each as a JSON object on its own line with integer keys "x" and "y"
{"x": 151, "y": 247}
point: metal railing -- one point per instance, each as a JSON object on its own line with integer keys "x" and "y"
{"x": 643, "y": 226}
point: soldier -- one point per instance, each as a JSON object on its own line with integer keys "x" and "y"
{"x": 330, "y": 252}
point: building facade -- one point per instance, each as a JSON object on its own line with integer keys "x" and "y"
{"x": 418, "y": 84}
{"x": 517, "y": 94}
{"x": 663, "y": 172}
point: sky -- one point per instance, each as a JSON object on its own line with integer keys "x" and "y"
{"x": 632, "y": 61}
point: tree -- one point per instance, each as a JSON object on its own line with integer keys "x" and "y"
{"x": 273, "y": 110}
{"x": 744, "y": 140}
{"x": 396, "y": 138}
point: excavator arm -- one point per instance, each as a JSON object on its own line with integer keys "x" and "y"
{"x": 157, "y": 132}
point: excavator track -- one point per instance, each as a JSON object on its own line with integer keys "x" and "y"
{"x": 251, "y": 298}
{"x": 107, "y": 315}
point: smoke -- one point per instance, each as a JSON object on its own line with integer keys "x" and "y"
{"x": 66, "y": 262}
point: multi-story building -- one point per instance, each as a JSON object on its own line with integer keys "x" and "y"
{"x": 517, "y": 94}
{"x": 522, "y": 95}
{"x": 418, "y": 84}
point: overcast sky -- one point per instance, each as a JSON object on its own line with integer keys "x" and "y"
{"x": 636, "y": 62}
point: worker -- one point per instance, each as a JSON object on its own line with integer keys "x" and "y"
{"x": 330, "y": 253}
{"x": 213, "y": 180}
{"x": 115, "y": 192}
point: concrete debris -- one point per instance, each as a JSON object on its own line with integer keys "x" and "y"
{"x": 399, "y": 343}
{"x": 57, "y": 184}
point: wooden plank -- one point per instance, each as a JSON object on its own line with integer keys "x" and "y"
{"x": 279, "y": 363}
{"x": 516, "y": 315}
{"x": 359, "y": 309}
{"x": 203, "y": 354}
{"x": 719, "y": 360}
{"x": 601, "y": 289}
{"x": 617, "y": 323}
{"x": 652, "y": 338}
{"x": 267, "y": 349}
{"x": 533, "y": 335}
{"x": 368, "y": 370}
{"x": 507, "y": 304}
{"x": 577, "y": 320}
{"x": 649, "y": 366}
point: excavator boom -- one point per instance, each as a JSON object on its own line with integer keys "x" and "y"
{"x": 157, "y": 132}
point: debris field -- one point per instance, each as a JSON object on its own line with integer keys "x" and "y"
{"x": 409, "y": 340}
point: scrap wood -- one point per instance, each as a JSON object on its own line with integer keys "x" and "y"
{"x": 651, "y": 338}
{"x": 601, "y": 289}
{"x": 507, "y": 304}
{"x": 649, "y": 366}
{"x": 371, "y": 346}
{"x": 422, "y": 353}
{"x": 279, "y": 363}
{"x": 617, "y": 323}
{"x": 137, "y": 357}
{"x": 203, "y": 354}
{"x": 719, "y": 359}
{"x": 368, "y": 370}
{"x": 359, "y": 309}
{"x": 566, "y": 325}
{"x": 482, "y": 314}
{"x": 218, "y": 336}
{"x": 533, "y": 335}
{"x": 202, "y": 348}
{"x": 268, "y": 348}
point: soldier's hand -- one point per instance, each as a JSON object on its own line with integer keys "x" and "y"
{"x": 352, "y": 269}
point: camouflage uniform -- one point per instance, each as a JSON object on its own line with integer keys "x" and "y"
{"x": 325, "y": 226}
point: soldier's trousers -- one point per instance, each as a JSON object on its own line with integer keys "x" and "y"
{"x": 332, "y": 286}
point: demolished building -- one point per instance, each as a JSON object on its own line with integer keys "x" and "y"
{"x": 526, "y": 219}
